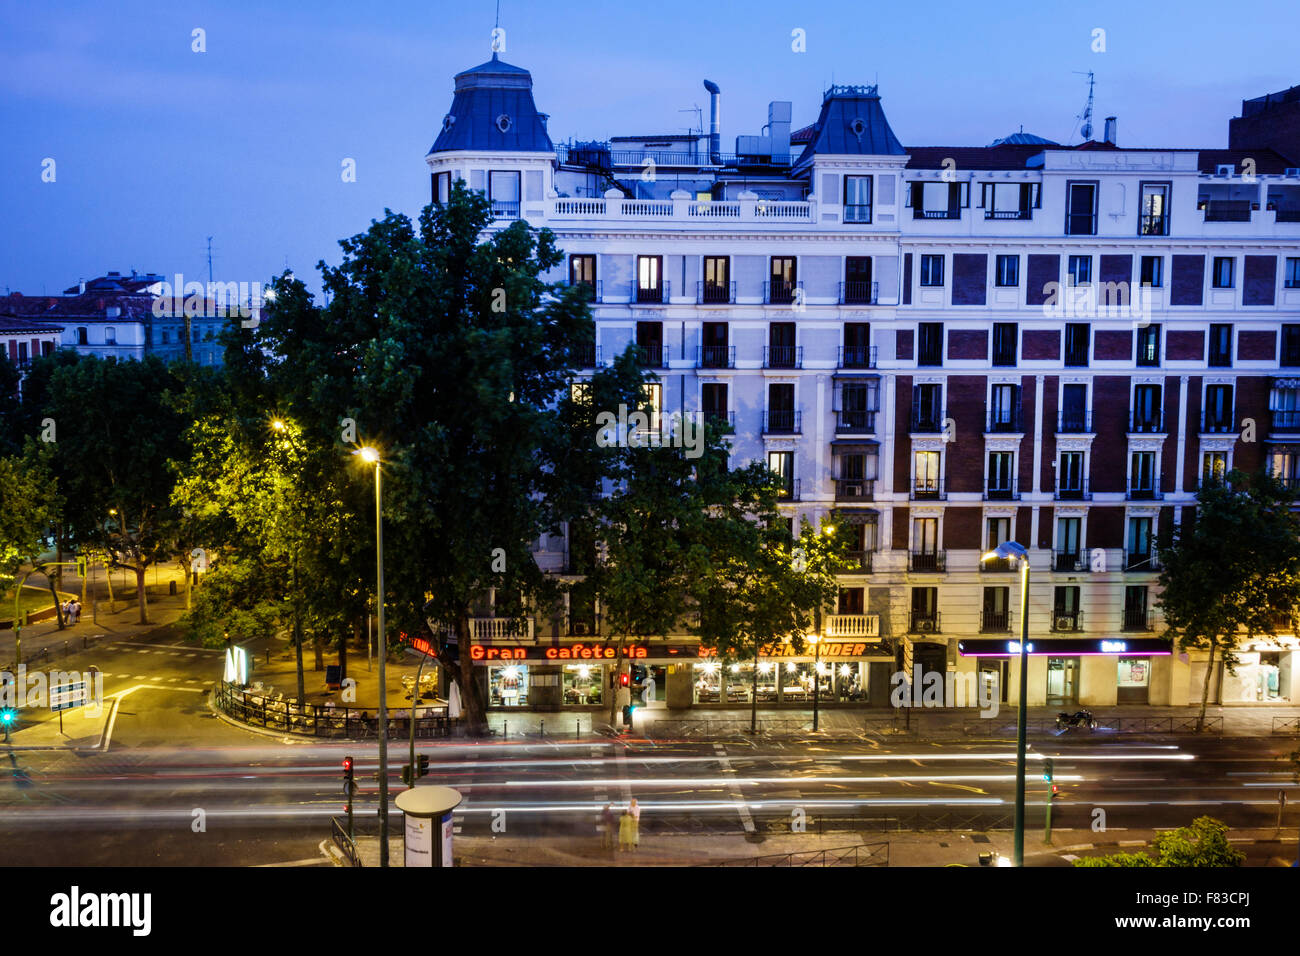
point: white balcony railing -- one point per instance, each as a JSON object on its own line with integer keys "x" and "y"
{"x": 501, "y": 628}
{"x": 853, "y": 625}
{"x": 684, "y": 210}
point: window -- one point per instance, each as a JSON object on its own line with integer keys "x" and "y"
{"x": 1291, "y": 278}
{"x": 81, "y": 335}
{"x": 1081, "y": 209}
{"x": 1146, "y": 408}
{"x": 995, "y": 616}
{"x": 1009, "y": 200}
{"x": 1214, "y": 465}
{"x": 1068, "y": 531}
{"x": 1001, "y": 480}
{"x": 996, "y": 531}
{"x": 1148, "y": 345}
{"x": 1291, "y": 345}
{"x": 716, "y": 351}
{"x": 1139, "y": 539}
{"x": 856, "y": 474}
{"x": 1223, "y": 272}
{"x": 928, "y": 480}
{"x": 1135, "y": 608}
{"x": 1008, "y": 271}
{"x": 1220, "y": 345}
{"x": 781, "y": 464}
{"x": 650, "y": 340}
{"x": 649, "y": 278}
{"x": 859, "y": 402}
{"x": 784, "y": 279}
{"x": 1004, "y": 408}
{"x": 927, "y": 407}
{"x": 1078, "y": 337}
{"x": 713, "y": 398}
{"x": 938, "y": 200}
{"x": 1006, "y": 336}
{"x": 582, "y": 272}
{"x": 717, "y": 279}
{"x": 442, "y": 188}
{"x": 165, "y": 338}
{"x": 932, "y": 270}
{"x": 850, "y": 601}
{"x": 781, "y": 351}
{"x": 929, "y": 346}
{"x": 857, "y": 345}
{"x": 925, "y": 535}
{"x": 858, "y": 288}
{"x": 1065, "y": 608}
{"x": 110, "y": 335}
{"x": 1153, "y": 271}
{"x": 1142, "y": 475}
{"x": 1070, "y": 481}
{"x": 1074, "y": 407}
{"x": 857, "y": 199}
{"x": 781, "y": 417}
{"x": 1217, "y": 413}
{"x": 1080, "y": 270}
{"x": 1154, "y": 219}
{"x": 652, "y": 403}
{"x": 925, "y": 609}
{"x": 1284, "y": 465}
{"x": 503, "y": 193}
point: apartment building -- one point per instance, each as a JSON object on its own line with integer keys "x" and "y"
{"x": 939, "y": 349}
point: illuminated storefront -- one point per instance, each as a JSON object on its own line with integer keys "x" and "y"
{"x": 1073, "y": 671}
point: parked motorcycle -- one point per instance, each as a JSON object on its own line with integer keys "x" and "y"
{"x": 1080, "y": 718}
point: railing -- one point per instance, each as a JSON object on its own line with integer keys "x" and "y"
{"x": 779, "y": 292}
{"x": 781, "y": 421}
{"x": 1007, "y": 214}
{"x": 647, "y": 208}
{"x": 501, "y": 628}
{"x": 344, "y": 842}
{"x": 995, "y": 621}
{"x": 1286, "y": 420}
{"x": 927, "y": 562}
{"x": 852, "y": 625}
{"x": 582, "y": 625}
{"x": 857, "y": 212}
{"x": 919, "y": 213}
{"x": 996, "y": 565}
{"x": 579, "y": 207}
{"x": 789, "y": 491}
{"x": 1078, "y": 493}
{"x": 715, "y": 356}
{"x": 1141, "y": 561}
{"x": 928, "y": 489}
{"x": 1155, "y": 492}
{"x": 1227, "y": 210}
{"x": 719, "y": 417}
{"x": 1139, "y": 423}
{"x": 855, "y": 420}
{"x": 766, "y": 209}
{"x": 1002, "y": 491}
{"x": 590, "y": 289}
{"x": 1139, "y": 619}
{"x": 651, "y": 295}
{"x": 505, "y": 209}
{"x": 1074, "y": 423}
{"x": 1211, "y": 424}
{"x": 715, "y": 293}
{"x": 1076, "y": 358}
{"x": 1154, "y": 226}
{"x": 712, "y": 209}
{"x": 1004, "y": 420}
{"x": 863, "y": 854}
{"x": 783, "y": 356}
{"x": 313, "y": 720}
{"x": 857, "y": 356}
{"x": 1124, "y": 725}
{"x": 588, "y": 356}
{"x": 927, "y": 421}
{"x": 1067, "y": 621}
{"x": 859, "y": 293}
{"x": 654, "y": 356}
{"x": 854, "y": 489}
{"x": 924, "y": 623}
{"x": 861, "y": 561}
{"x": 1070, "y": 561}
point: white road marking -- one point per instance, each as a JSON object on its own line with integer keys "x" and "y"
{"x": 746, "y": 818}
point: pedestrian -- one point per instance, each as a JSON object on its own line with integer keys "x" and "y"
{"x": 76, "y": 611}
{"x": 634, "y": 812}
{"x": 607, "y": 827}
{"x": 66, "y": 608}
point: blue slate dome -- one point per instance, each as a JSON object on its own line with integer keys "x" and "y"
{"x": 853, "y": 124}
{"x": 493, "y": 111}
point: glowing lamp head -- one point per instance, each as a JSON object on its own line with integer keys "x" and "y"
{"x": 277, "y": 424}
{"x": 368, "y": 455}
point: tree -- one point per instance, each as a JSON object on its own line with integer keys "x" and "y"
{"x": 25, "y": 513}
{"x": 1233, "y": 568}
{"x": 1203, "y": 844}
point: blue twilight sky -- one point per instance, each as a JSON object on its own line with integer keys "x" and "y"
{"x": 157, "y": 147}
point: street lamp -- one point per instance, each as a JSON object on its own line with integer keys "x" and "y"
{"x": 371, "y": 457}
{"x": 1012, "y": 551}
{"x": 817, "y": 663}
{"x": 278, "y": 425}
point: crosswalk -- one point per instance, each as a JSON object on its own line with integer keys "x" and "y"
{"x": 158, "y": 652}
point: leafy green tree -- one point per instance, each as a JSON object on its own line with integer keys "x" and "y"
{"x": 25, "y": 511}
{"x": 1203, "y": 844}
{"x": 1233, "y": 569}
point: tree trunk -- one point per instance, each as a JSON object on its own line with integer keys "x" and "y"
{"x": 1205, "y": 691}
{"x": 615, "y": 692}
{"x": 472, "y": 703}
{"x": 753, "y": 696}
{"x": 319, "y": 647}
{"x": 58, "y": 608}
{"x": 144, "y": 600}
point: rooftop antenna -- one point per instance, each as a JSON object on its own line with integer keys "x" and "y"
{"x": 1085, "y": 130}
{"x": 209, "y": 261}
{"x": 699, "y": 118}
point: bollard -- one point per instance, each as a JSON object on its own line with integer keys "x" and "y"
{"x": 505, "y": 729}
{"x": 542, "y": 725}
{"x": 577, "y": 727}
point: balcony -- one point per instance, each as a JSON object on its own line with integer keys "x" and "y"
{"x": 1153, "y": 226}
{"x": 1069, "y": 561}
{"x": 859, "y": 293}
{"x": 1076, "y": 357}
{"x": 1146, "y": 491}
{"x": 924, "y": 622}
{"x": 853, "y": 625}
{"x": 501, "y": 629}
{"x": 1004, "y": 420}
{"x": 689, "y": 212}
{"x": 855, "y": 489}
{"x": 789, "y": 491}
{"x": 1286, "y": 420}
{"x": 997, "y": 565}
{"x": 651, "y": 295}
{"x": 1008, "y": 214}
{"x": 1074, "y": 423}
{"x": 584, "y": 625}
{"x": 588, "y": 356}
{"x": 1139, "y": 619}
{"x": 1001, "y": 490}
{"x": 855, "y": 421}
{"x": 918, "y": 213}
{"x": 591, "y": 291}
{"x": 860, "y": 561}
{"x": 927, "y": 562}
{"x": 505, "y": 208}
{"x": 715, "y": 293}
{"x": 779, "y": 292}
{"x": 719, "y": 418}
{"x": 928, "y": 489}
{"x": 781, "y": 421}
{"x": 1076, "y": 490}
{"x": 1212, "y": 424}
{"x": 924, "y": 420}
{"x": 1226, "y": 210}
{"x": 653, "y": 356}
{"x": 783, "y": 356}
{"x": 1141, "y": 561}
{"x": 857, "y": 356}
{"x": 995, "y": 622}
{"x": 1067, "y": 621}
{"x": 715, "y": 356}
{"x": 1146, "y": 423}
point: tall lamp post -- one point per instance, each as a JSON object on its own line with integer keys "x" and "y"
{"x": 279, "y": 426}
{"x": 371, "y": 456}
{"x": 1012, "y": 551}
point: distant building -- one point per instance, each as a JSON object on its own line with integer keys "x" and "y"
{"x": 24, "y": 339}
{"x": 1272, "y": 122}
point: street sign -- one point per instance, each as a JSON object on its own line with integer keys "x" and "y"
{"x": 67, "y": 696}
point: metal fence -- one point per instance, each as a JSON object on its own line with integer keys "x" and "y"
{"x": 901, "y": 822}
{"x": 53, "y": 652}
{"x": 344, "y": 842}
{"x": 1286, "y": 725}
{"x": 1122, "y": 725}
{"x": 862, "y": 854}
{"x": 312, "y": 720}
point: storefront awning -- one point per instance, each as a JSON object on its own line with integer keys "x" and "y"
{"x": 1067, "y": 647}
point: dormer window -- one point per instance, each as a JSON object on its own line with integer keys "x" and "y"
{"x": 504, "y": 122}
{"x": 448, "y": 122}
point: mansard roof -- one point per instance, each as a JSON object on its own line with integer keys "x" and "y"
{"x": 492, "y": 110}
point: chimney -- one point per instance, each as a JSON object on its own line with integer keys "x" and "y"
{"x": 715, "y": 135}
{"x": 1110, "y": 130}
{"x": 83, "y": 286}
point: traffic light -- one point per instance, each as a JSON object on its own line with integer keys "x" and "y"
{"x": 624, "y": 680}
{"x": 7, "y": 719}
{"x": 347, "y": 774}
{"x": 1047, "y": 769}
{"x": 1056, "y": 791}
{"x": 81, "y": 566}
{"x": 406, "y": 774}
{"x": 423, "y": 765}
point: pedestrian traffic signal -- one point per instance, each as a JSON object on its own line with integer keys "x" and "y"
{"x": 625, "y": 680}
{"x": 1047, "y": 769}
{"x": 423, "y": 767}
{"x": 7, "y": 716}
{"x": 1056, "y": 791}
{"x": 406, "y": 774}
{"x": 81, "y": 567}
{"x": 348, "y": 783}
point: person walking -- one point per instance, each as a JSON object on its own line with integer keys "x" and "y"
{"x": 76, "y": 611}
{"x": 607, "y": 827}
{"x": 633, "y": 820}
{"x": 625, "y": 829}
